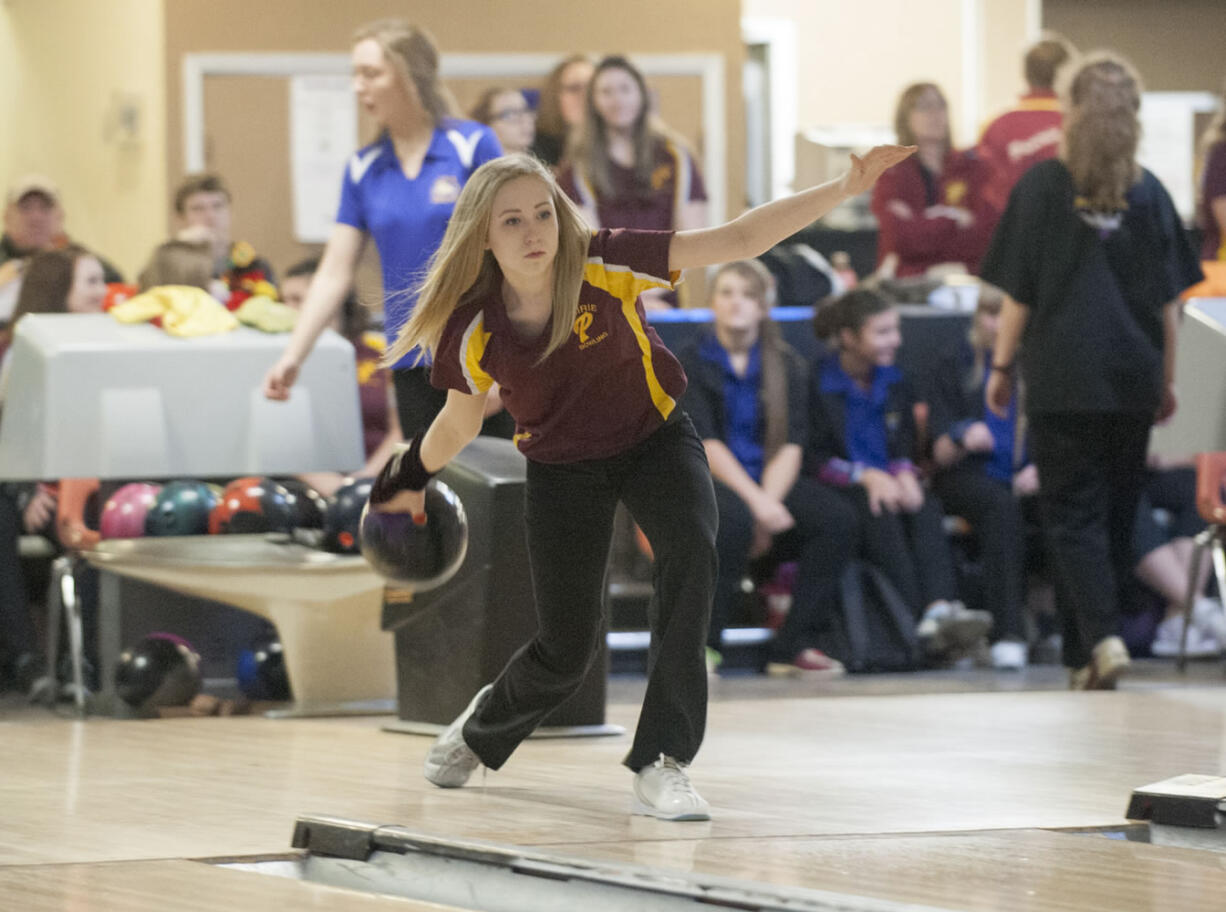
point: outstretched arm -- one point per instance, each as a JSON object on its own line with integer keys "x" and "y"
{"x": 759, "y": 229}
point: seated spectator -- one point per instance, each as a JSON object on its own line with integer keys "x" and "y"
{"x": 1031, "y": 132}
{"x": 380, "y": 422}
{"x": 862, "y": 443}
{"x": 1211, "y": 199}
{"x": 930, "y": 209}
{"x": 561, "y": 108}
{"x": 33, "y": 222}
{"x": 203, "y": 207}
{"x": 507, "y": 113}
{"x": 1164, "y": 561}
{"x": 982, "y": 470}
{"x": 183, "y": 262}
{"x": 747, "y": 398}
{"x": 69, "y": 280}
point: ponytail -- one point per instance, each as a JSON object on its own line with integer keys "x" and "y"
{"x": 849, "y": 311}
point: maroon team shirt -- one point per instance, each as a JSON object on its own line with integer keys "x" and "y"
{"x": 607, "y": 388}
{"x": 901, "y": 198}
{"x": 674, "y": 180}
{"x": 1213, "y": 185}
{"x": 1018, "y": 140}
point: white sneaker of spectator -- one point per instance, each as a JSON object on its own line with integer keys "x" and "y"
{"x": 1166, "y": 640}
{"x": 1009, "y": 655}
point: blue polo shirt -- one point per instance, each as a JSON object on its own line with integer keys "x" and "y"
{"x": 407, "y": 218}
{"x": 742, "y": 426}
{"x": 864, "y": 421}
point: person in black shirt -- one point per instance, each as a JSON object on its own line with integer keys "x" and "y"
{"x": 1092, "y": 256}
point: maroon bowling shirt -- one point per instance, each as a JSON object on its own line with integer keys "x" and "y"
{"x": 607, "y": 388}
{"x": 1018, "y": 140}
{"x": 674, "y": 180}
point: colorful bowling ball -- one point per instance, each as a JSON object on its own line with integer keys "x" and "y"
{"x": 252, "y": 505}
{"x": 309, "y": 504}
{"x": 181, "y": 508}
{"x": 160, "y": 670}
{"x": 343, "y": 517}
{"x": 261, "y": 671}
{"x": 123, "y": 515}
{"x": 418, "y": 556}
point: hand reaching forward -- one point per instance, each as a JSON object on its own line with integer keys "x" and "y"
{"x": 865, "y": 170}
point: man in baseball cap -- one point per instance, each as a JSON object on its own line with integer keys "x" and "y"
{"x": 33, "y": 221}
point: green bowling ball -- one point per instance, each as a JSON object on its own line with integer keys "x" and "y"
{"x": 181, "y": 508}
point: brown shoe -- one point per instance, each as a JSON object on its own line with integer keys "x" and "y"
{"x": 1108, "y": 661}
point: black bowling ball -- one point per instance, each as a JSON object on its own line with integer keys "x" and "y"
{"x": 417, "y": 556}
{"x": 343, "y": 516}
{"x": 160, "y": 670}
{"x": 309, "y": 506}
{"x": 261, "y": 671}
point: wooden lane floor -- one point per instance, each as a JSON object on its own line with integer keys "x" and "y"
{"x": 777, "y": 770}
{"x": 184, "y": 886}
{"x": 1017, "y": 870}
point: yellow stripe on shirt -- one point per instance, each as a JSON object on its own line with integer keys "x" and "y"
{"x": 472, "y": 350}
{"x": 663, "y": 402}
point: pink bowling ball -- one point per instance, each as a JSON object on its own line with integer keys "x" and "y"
{"x": 124, "y": 514}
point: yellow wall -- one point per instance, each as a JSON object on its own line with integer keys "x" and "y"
{"x": 8, "y": 89}
{"x": 854, "y": 59}
{"x": 64, "y": 66}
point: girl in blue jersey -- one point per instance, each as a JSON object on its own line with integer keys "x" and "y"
{"x": 400, "y": 190}
{"x": 522, "y": 293}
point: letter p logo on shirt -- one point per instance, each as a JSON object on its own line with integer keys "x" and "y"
{"x": 582, "y": 324}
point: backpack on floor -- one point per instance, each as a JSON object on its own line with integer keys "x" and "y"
{"x": 874, "y": 629}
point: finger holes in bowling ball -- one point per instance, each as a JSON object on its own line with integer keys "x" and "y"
{"x": 424, "y": 556}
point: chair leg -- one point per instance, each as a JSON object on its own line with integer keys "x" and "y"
{"x": 47, "y": 688}
{"x": 76, "y": 638}
{"x": 1202, "y": 541}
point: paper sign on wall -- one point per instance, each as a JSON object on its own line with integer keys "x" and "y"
{"x": 323, "y": 126}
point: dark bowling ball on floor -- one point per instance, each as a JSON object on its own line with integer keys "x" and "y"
{"x": 261, "y": 671}
{"x": 343, "y": 517}
{"x": 309, "y": 505}
{"x": 418, "y": 556}
{"x": 181, "y": 508}
{"x": 160, "y": 670}
{"x": 252, "y": 504}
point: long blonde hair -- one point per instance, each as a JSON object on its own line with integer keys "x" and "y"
{"x": 776, "y": 354}
{"x": 412, "y": 53}
{"x": 463, "y": 269}
{"x": 1102, "y": 131}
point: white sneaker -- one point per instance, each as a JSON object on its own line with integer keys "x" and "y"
{"x": 1208, "y": 615}
{"x": 450, "y": 761}
{"x": 664, "y": 790}
{"x": 1009, "y": 655}
{"x": 1168, "y": 634}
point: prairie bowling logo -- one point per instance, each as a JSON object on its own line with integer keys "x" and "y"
{"x": 583, "y": 323}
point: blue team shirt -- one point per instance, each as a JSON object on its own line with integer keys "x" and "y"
{"x": 864, "y": 422}
{"x": 1000, "y": 462}
{"x": 407, "y": 218}
{"x": 741, "y": 411}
